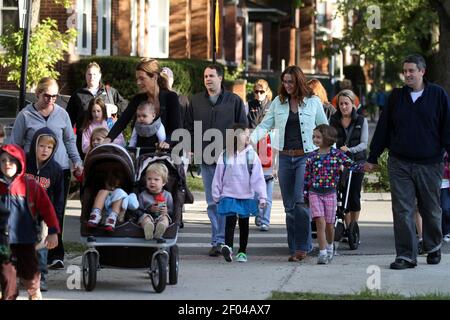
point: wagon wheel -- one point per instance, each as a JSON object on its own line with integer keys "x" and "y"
{"x": 173, "y": 264}
{"x": 89, "y": 271}
{"x": 159, "y": 273}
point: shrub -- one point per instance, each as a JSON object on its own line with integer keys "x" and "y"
{"x": 381, "y": 175}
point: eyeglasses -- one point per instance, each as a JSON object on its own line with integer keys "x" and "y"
{"x": 260, "y": 91}
{"x": 50, "y": 96}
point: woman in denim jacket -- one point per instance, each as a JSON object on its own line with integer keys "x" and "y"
{"x": 293, "y": 115}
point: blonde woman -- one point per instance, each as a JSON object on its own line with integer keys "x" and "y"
{"x": 352, "y": 138}
{"x": 258, "y": 106}
{"x": 46, "y": 113}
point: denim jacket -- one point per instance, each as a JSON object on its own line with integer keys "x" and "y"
{"x": 310, "y": 114}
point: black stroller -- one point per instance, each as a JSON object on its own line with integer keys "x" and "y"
{"x": 126, "y": 247}
{"x": 341, "y": 230}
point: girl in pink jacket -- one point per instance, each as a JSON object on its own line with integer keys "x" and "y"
{"x": 237, "y": 178}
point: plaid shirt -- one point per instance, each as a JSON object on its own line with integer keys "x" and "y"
{"x": 323, "y": 170}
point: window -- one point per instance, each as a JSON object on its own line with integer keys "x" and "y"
{"x": 150, "y": 28}
{"x": 158, "y": 28}
{"x": 9, "y": 14}
{"x": 251, "y": 42}
{"x": 104, "y": 27}
{"x": 84, "y": 26}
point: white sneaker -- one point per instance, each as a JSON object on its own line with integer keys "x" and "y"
{"x": 446, "y": 238}
{"x": 159, "y": 230}
{"x": 322, "y": 259}
{"x": 264, "y": 227}
{"x": 330, "y": 255}
{"x": 110, "y": 222}
{"x": 94, "y": 218}
{"x": 149, "y": 227}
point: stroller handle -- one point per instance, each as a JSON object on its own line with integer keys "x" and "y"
{"x": 156, "y": 150}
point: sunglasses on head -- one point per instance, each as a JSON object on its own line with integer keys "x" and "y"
{"x": 260, "y": 91}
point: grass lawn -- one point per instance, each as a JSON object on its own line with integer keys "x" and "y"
{"x": 74, "y": 248}
{"x": 194, "y": 184}
{"x": 363, "y": 295}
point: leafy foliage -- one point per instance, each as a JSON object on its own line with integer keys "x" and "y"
{"x": 47, "y": 46}
{"x": 405, "y": 27}
{"x": 381, "y": 176}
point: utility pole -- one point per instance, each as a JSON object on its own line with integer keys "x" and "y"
{"x": 25, "y": 22}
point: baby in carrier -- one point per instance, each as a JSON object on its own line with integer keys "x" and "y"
{"x": 113, "y": 201}
{"x": 155, "y": 204}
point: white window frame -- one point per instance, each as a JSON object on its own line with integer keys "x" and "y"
{"x": 103, "y": 12}
{"x": 84, "y": 9}
{"x": 156, "y": 24}
{"x": 2, "y": 8}
{"x": 134, "y": 15}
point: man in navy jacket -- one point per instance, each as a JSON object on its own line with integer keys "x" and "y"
{"x": 415, "y": 127}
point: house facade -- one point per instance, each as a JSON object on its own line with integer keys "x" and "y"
{"x": 264, "y": 36}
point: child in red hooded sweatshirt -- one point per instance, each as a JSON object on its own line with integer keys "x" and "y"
{"x": 25, "y": 200}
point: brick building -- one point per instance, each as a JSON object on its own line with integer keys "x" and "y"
{"x": 266, "y": 34}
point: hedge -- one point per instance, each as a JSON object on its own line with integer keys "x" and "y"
{"x": 120, "y": 73}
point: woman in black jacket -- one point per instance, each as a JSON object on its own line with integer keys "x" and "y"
{"x": 154, "y": 88}
{"x": 353, "y": 135}
{"x": 258, "y": 106}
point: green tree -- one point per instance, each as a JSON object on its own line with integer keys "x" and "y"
{"x": 401, "y": 28}
{"x": 47, "y": 46}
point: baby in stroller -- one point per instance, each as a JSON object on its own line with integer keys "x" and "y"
{"x": 113, "y": 201}
{"x": 155, "y": 204}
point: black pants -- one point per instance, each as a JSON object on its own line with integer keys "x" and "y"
{"x": 58, "y": 252}
{"x": 230, "y": 225}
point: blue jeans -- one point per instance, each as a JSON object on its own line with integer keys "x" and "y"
{"x": 264, "y": 213}
{"x": 291, "y": 175}
{"x": 445, "y": 205}
{"x": 217, "y": 221}
{"x": 42, "y": 258}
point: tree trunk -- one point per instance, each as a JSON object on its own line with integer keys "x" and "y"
{"x": 440, "y": 63}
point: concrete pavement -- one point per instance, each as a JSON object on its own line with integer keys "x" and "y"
{"x": 202, "y": 277}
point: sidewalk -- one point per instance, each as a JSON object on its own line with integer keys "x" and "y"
{"x": 205, "y": 278}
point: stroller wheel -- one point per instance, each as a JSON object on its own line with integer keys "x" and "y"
{"x": 89, "y": 270}
{"x": 353, "y": 235}
{"x": 173, "y": 264}
{"x": 339, "y": 230}
{"x": 159, "y": 273}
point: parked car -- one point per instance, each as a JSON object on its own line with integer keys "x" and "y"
{"x": 9, "y": 106}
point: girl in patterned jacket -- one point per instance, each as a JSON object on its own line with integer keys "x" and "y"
{"x": 321, "y": 180}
